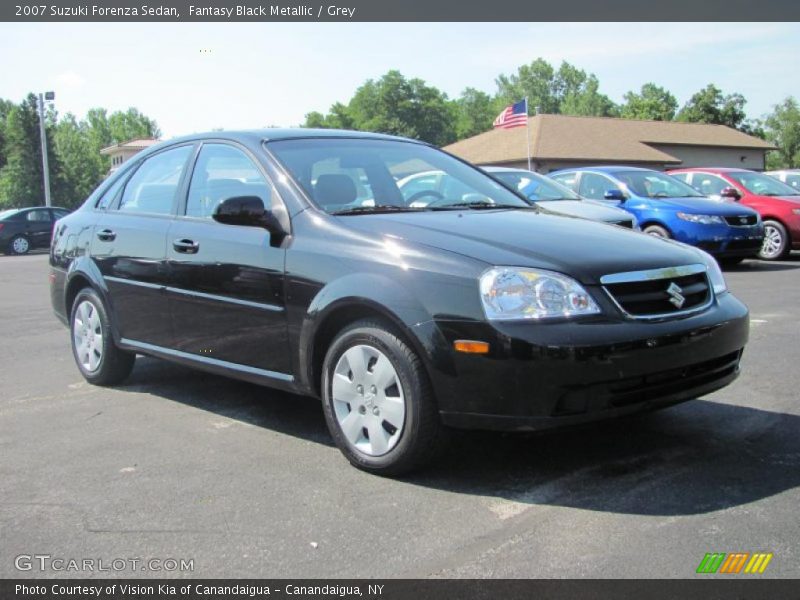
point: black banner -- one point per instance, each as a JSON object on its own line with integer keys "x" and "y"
{"x": 392, "y": 10}
{"x": 398, "y": 589}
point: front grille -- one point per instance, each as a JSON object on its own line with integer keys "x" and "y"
{"x": 661, "y": 292}
{"x": 741, "y": 220}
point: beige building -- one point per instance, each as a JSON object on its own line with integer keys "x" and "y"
{"x": 560, "y": 141}
{"x": 123, "y": 151}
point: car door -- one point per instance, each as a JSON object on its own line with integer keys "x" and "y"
{"x": 38, "y": 227}
{"x": 226, "y": 289}
{"x": 129, "y": 246}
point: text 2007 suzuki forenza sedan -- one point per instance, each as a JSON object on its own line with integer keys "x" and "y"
{"x": 290, "y": 258}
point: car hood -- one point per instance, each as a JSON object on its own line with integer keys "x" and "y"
{"x": 583, "y": 249}
{"x": 703, "y": 206}
{"x": 586, "y": 210}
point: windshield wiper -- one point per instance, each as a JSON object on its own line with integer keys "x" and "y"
{"x": 479, "y": 206}
{"x": 377, "y": 208}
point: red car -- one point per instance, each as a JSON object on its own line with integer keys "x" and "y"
{"x": 777, "y": 203}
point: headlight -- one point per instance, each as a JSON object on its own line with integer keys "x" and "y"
{"x": 716, "y": 277}
{"x": 702, "y": 219}
{"x": 517, "y": 293}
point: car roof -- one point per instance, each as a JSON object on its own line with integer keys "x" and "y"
{"x": 604, "y": 169}
{"x": 253, "y": 137}
{"x": 493, "y": 169}
{"x": 711, "y": 170}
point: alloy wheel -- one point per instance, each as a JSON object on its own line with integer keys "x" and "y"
{"x": 368, "y": 400}
{"x": 773, "y": 242}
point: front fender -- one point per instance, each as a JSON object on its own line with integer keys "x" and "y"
{"x": 372, "y": 294}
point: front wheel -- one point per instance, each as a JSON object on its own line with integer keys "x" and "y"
{"x": 776, "y": 241}
{"x": 656, "y": 231}
{"x": 378, "y": 402}
{"x": 97, "y": 356}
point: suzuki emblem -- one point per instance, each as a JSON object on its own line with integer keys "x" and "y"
{"x": 675, "y": 296}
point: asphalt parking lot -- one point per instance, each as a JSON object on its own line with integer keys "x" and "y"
{"x": 246, "y": 482}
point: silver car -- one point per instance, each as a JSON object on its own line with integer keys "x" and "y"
{"x": 556, "y": 198}
{"x": 790, "y": 177}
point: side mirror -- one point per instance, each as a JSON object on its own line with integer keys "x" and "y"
{"x": 615, "y": 194}
{"x": 248, "y": 211}
{"x": 731, "y": 192}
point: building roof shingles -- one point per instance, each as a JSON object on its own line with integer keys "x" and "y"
{"x": 564, "y": 137}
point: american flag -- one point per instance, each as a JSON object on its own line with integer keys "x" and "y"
{"x": 514, "y": 115}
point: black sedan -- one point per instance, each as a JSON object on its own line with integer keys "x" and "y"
{"x": 290, "y": 258}
{"x": 22, "y": 229}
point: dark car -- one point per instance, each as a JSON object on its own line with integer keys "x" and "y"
{"x": 250, "y": 255}
{"x": 22, "y": 229}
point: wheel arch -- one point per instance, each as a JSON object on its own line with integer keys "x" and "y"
{"x": 83, "y": 273}
{"x": 340, "y": 304}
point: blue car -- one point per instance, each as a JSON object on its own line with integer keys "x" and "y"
{"x": 668, "y": 208}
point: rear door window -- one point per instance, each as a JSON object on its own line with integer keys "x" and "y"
{"x": 153, "y": 187}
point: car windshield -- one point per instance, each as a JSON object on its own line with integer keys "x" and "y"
{"x": 652, "y": 184}
{"x": 535, "y": 187}
{"x": 762, "y": 185}
{"x": 355, "y": 176}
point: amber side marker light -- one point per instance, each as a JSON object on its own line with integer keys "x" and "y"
{"x": 471, "y": 347}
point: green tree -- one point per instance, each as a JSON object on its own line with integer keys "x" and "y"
{"x": 395, "y": 105}
{"x": 652, "y": 102}
{"x": 474, "y": 112}
{"x": 536, "y": 81}
{"x": 568, "y": 90}
{"x": 5, "y": 108}
{"x": 710, "y": 105}
{"x": 587, "y": 101}
{"x": 782, "y": 128}
{"x": 21, "y": 179}
{"x": 82, "y": 166}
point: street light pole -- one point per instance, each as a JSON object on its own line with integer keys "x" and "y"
{"x": 43, "y": 136}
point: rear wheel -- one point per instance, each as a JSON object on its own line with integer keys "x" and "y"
{"x": 656, "y": 231}
{"x": 19, "y": 244}
{"x": 97, "y": 356}
{"x": 776, "y": 241}
{"x": 378, "y": 402}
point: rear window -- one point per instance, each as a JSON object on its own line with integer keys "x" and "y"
{"x": 9, "y": 214}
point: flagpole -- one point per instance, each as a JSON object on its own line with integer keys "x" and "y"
{"x": 528, "y": 132}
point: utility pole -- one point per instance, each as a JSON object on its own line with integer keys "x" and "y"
{"x": 43, "y": 135}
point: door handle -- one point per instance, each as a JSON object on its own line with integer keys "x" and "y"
{"x": 186, "y": 246}
{"x": 106, "y": 235}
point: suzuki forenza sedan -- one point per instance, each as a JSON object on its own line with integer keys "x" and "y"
{"x": 290, "y": 258}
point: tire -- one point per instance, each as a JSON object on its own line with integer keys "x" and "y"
{"x": 19, "y": 245}
{"x": 390, "y": 428}
{"x": 776, "y": 241}
{"x": 656, "y": 231}
{"x": 99, "y": 360}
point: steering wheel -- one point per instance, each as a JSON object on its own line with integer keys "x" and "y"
{"x": 421, "y": 194}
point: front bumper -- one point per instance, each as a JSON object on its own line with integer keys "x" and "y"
{"x": 722, "y": 240}
{"x": 543, "y": 375}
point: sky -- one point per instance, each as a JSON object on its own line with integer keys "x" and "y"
{"x": 193, "y": 77}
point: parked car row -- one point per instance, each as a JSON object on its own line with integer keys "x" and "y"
{"x": 408, "y": 290}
